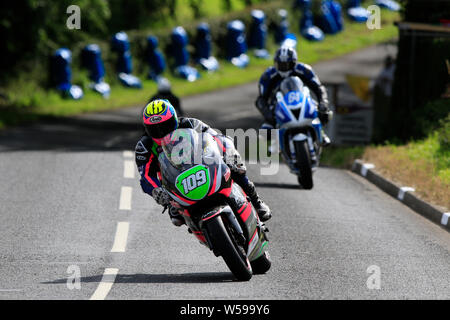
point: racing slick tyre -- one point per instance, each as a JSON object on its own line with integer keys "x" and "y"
{"x": 262, "y": 264}
{"x": 305, "y": 178}
{"x": 234, "y": 255}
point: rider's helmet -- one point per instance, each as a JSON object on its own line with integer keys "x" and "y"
{"x": 159, "y": 119}
{"x": 285, "y": 60}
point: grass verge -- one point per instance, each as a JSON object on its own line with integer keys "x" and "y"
{"x": 422, "y": 164}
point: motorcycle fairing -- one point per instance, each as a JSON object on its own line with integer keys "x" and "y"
{"x": 218, "y": 194}
{"x": 297, "y": 118}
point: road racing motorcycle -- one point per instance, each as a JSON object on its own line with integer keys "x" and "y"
{"x": 300, "y": 130}
{"x": 215, "y": 209}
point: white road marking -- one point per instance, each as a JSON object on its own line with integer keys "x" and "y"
{"x": 402, "y": 191}
{"x": 128, "y": 154}
{"x": 445, "y": 218}
{"x": 120, "y": 240}
{"x": 125, "y": 198}
{"x": 105, "y": 285}
{"x": 128, "y": 169}
{"x": 69, "y": 263}
{"x": 121, "y": 237}
{"x": 11, "y": 290}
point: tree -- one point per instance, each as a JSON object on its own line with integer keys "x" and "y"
{"x": 196, "y": 6}
{"x": 421, "y": 74}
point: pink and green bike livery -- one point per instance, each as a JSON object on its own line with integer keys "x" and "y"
{"x": 216, "y": 209}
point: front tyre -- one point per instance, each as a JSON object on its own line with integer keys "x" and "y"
{"x": 226, "y": 246}
{"x": 304, "y": 164}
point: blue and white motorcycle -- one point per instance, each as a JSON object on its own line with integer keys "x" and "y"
{"x": 300, "y": 130}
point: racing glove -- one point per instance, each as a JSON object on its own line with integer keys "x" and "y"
{"x": 234, "y": 161}
{"x": 265, "y": 109}
{"x": 161, "y": 196}
{"x": 325, "y": 114}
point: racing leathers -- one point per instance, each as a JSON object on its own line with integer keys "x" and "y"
{"x": 270, "y": 81}
{"x": 147, "y": 152}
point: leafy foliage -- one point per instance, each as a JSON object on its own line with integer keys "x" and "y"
{"x": 32, "y": 29}
{"x": 421, "y": 73}
{"x": 444, "y": 135}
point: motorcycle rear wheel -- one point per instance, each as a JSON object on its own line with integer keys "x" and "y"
{"x": 262, "y": 264}
{"x": 233, "y": 255}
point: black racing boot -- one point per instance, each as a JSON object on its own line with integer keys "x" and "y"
{"x": 325, "y": 115}
{"x": 326, "y": 139}
{"x": 261, "y": 208}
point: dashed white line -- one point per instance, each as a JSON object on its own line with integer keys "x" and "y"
{"x": 121, "y": 237}
{"x": 128, "y": 154}
{"x": 105, "y": 285}
{"x": 120, "y": 240}
{"x": 125, "y": 198}
{"x": 128, "y": 169}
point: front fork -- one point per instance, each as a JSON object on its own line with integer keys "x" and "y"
{"x": 300, "y": 137}
{"x": 227, "y": 213}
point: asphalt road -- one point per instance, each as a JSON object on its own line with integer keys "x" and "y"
{"x": 71, "y": 206}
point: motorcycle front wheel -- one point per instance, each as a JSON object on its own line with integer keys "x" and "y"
{"x": 305, "y": 178}
{"x": 226, "y": 246}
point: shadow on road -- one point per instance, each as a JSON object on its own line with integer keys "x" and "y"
{"x": 83, "y": 133}
{"x": 117, "y": 130}
{"x": 244, "y": 123}
{"x": 202, "y": 277}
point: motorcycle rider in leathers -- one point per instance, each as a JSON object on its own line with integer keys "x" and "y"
{"x": 286, "y": 65}
{"x": 160, "y": 119}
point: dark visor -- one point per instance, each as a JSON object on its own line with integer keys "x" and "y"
{"x": 162, "y": 129}
{"x": 285, "y": 65}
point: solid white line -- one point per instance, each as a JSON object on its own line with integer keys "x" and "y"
{"x": 128, "y": 154}
{"x": 120, "y": 240}
{"x": 402, "y": 191}
{"x": 105, "y": 284}
{"x": 128, "y": 169}
{"x": 445, "y": 218}
{"x": 125, "y": 198}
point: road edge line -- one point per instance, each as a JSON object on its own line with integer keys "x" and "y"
{"x": 403, "y": 194}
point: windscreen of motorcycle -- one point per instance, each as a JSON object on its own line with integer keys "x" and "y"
{"x": 292, "y": 88}
{"x": 186, "y": 161}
